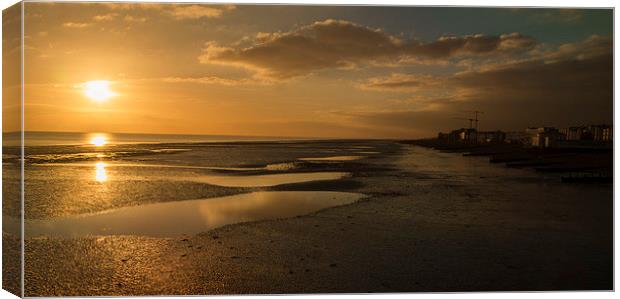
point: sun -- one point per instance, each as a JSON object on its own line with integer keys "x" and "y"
{"x": 98, "y": 141}
{"x": 98, "y": 90}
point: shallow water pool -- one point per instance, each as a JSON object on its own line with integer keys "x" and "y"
{"x": 333, "y": 158}
{"x": 190, "y": 217}
{"x": 264, "y": 180}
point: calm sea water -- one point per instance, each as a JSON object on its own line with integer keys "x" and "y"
{"x": 75, "y": 138}
{"x": 83, "y": 175}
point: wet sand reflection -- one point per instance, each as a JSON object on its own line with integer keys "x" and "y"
{"x": 191, "y": 216}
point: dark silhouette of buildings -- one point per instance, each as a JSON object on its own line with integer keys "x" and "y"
{"x": 541, "y": 137}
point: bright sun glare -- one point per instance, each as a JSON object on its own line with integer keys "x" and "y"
{"x": 98, "y": 90}
{"x": 100, "y": 173}
{"x": 98, "y": 141}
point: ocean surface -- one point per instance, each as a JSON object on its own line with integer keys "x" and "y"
{"x": 92, "y": 184}
{"x": 111, "y": 185}
{"x": 491, "y": 225}
{"x": 35, "y": 138}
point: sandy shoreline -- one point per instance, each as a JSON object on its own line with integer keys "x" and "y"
{"x": 415, "y": 232}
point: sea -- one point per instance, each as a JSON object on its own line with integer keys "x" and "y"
{"x": 80, "y": 184}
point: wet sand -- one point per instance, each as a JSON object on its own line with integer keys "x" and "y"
{"x": 425, "y": 226}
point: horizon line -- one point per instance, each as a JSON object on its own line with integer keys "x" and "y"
{"x": 205, "y": 134}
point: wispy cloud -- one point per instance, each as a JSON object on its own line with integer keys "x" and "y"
{"x": 177, "y": 11}
{"x": 75, "y": 25}
{"x": 214, "y": 80}
{"x": 399, "y": 82}
{"x": 132, "y": 19}
{"x": 105, "y": 17}
{"x": 199, "y": 11}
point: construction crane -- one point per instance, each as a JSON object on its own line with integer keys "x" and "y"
{"x": 471, "y": 120}
{"x": 476, "y": 113}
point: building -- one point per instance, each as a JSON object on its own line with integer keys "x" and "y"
{"x": 601, "y": 133}
{"x": 608, "y": 134}
{"x": 459, "y": 136}
{"x": 594, "y": 133}
{"x": 468, "y": 135}
{"x": 448, "y": 137}
{"x": 544, "y": 136}
{"x": 517, "y": 137}
{"x": 491, "y": 136}
{"x": 573, "y": 133}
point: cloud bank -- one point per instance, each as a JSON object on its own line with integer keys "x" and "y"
{"x": 178, "y": 11}
{"x": 341, "y": 44}
{"x": 545, "y": 89}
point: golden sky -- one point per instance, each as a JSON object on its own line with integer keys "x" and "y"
{"x": 311, "y": 71}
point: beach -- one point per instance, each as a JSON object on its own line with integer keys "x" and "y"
{"x": 271, "y": 148}
{"x": 424, "y": 221}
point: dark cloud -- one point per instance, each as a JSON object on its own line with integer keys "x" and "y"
{"x": 593, "y": 46}
{"x": 568, "y": 86}
{"x": 479, "y": 44}
{"x": 400, "y": 83}
{"x": 340, "y": 44}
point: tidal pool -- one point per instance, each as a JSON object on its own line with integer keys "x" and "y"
{"x": 264, "y": 180}
{"x": 191, "y": 216}
{"x": 333, "y": 158}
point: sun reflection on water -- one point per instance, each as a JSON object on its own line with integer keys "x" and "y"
{"x": 100, "y": 173}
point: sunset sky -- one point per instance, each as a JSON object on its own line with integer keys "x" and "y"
{"x": 313, "y": 71}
